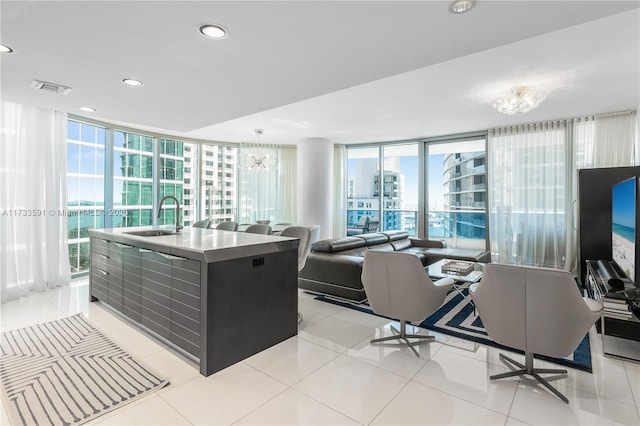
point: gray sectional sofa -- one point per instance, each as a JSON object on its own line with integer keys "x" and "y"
{"x": 334, "y": 266}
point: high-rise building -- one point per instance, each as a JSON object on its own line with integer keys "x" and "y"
{"x": 210, "y": 179}
{"x": 364, "y": 193}
{"x": 465, "y": 190}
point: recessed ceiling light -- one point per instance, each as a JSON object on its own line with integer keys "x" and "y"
{"x": 131, "y": 82}
{"x": 213, "y": 31}
{"x": 461, "y": 6}
{"x": 88, "y": 109}
{"x": 5, "y": 49}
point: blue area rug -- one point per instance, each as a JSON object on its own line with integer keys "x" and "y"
{"x": 456, "y": 318}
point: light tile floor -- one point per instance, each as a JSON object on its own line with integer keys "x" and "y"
{"x": 330, "y": 375}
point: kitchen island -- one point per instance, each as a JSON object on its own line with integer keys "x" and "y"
{"x": 216, "y": 296}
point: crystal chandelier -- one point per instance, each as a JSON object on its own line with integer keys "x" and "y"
{"x": 519, "y": 99}
{"x": 257, "y": 159}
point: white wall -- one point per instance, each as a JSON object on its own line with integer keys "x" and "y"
{"x": 315, "y": 184}
{"x": 637, "y": 159}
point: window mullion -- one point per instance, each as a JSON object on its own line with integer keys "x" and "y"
{"x": 108, "y": 178}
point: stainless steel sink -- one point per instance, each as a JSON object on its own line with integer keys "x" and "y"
{"x": 151, "y": 233}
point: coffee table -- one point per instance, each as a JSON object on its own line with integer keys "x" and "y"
{"x": 461, "y": 281}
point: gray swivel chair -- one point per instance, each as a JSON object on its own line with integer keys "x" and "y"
{"x": 258, "y": 228}
{"x": 201, "y": 223}
{"x": 315, "y": 233}
{"x": 372, "y": 226}
{"x": 535, "y": 310}
{"x": 304, "y": 234}
{"x": 228, "y": 226}
{"x": 398, "y": 287}
{"x": 360, "y": 227}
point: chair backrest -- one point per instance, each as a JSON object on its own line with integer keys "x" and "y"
{"x": 537, "y": 310}
{"x": 372, "y": 226}
{"x": 304, "y": 234}
{"x": 398, "y": 286}
{"x": 228, "y": 226}
{"x": 557, "y": 315}
{"x": 201, "y": 223}
{"x": 258, "y": 228}
{"x": 315, "y": 233}
{"x": 364, "y": 221}
{"x": 500, "y": 300}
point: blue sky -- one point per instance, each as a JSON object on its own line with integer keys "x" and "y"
{"x": 409, "y": 168}
{"x": 624, "y": 200}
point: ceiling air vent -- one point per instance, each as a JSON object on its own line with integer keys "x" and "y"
{"x": 50, "y": 87}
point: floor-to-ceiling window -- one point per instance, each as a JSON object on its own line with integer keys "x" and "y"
{"x": 453, "y": 193}
{"x": 116, "y": 178}
{"x": 390, "y": 192}
{"x": 400, "y": 187}
{"x": 456, "y": 192}
{"x": 85, "y": 188}
{"x": 218, "y": 180}
{"x": 132, "y": 179}
{"x": 363, "y": 206}
{"x": 190, "y": 169}
{"x": 171, "y": 178}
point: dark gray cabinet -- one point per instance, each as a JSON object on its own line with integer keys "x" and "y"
{"x": 132, "y": 283}
{"x": 220, "y": 306}
{"x": 185, "y": 304}
{"x": 115, "y": 275}
{"x": 99, "y": 270}
{"x": 156, "y": 293}
{"x": 155, "y": 289}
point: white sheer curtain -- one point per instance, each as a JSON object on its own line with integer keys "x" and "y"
{"x": 267, "y": 183}
{"x": 339, "y": 193}
{"x": 33, "y": 227}
{"x": 606, "y": 140}
{"x": 286, "y": 202}
{"x": 528, "y": 193}
{"x": 533, "y": 183}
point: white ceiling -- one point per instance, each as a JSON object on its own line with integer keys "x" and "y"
{"x": 352, "y": 72}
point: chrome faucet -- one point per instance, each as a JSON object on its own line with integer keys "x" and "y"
{"x": 178, "y": 226}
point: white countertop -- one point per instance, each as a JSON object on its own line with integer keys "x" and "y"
{"x": 199, "y": 243}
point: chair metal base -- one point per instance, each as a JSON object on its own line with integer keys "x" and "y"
{"x": 300, "y": 317}
{"x": 528, "y": 369}
{"x": 402, "y": 335}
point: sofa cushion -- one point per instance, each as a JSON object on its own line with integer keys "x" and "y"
{"x": 334, "y": 245}
{"x": 358, "y": 251}
{"x": 381, "y": 247}
{"x": 396, "y": 235}
{"x": 372, "y": 239}
{"x": 469, "y": 255}
{"x": 401, "y": 244}
{"x": 334, "y": 270}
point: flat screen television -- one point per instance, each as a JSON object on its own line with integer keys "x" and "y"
{"x": 624, "y": 227}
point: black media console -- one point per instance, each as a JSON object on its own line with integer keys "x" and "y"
{"x": 620, "y": 323}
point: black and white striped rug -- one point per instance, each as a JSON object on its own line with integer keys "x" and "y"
{"x": 66, "y": 372}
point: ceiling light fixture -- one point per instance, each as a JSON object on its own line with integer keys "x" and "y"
{"x": 519, "y": 99}
{"x": 5, "y": 49}
{"x": 461, "y": 6}
{"x": 131, "y": 82}
{"x": 88, "y": 109}
{"x": 257, "y": 159}
{"x": 213, "y": 31}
